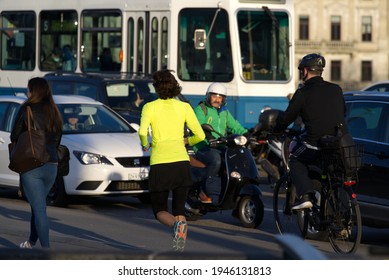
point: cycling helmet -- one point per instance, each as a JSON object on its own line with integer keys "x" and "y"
{"x": 216, "y": 89}
{"x": 313, "y": 61}
{"x": 268, "y": 119}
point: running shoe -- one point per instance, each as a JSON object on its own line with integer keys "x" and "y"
{"x": 179, "y": 232}
{"x": 26, "y": 245}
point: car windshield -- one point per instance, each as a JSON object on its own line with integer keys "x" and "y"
{"x": 90, "y": 118}
{"x": 130, "y": 95}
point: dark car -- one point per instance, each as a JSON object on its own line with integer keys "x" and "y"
{"x": 124, "y": 93}
{"x": 368, "y": 122}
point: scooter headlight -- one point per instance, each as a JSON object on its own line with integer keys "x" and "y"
{"x": 235, "y": 175}
{"x": 240, "y": 140}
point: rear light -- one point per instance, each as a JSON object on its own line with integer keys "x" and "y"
{"x": 350, "y": 183}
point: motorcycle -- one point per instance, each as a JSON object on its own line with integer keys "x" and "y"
{"x": 271, "y": 151}
{"x": 238, "y": 184}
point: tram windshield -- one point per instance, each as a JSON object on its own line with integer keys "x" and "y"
{"x": 263, "y": 40}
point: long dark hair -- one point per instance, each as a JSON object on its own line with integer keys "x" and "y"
{"x": 41, "y": 93}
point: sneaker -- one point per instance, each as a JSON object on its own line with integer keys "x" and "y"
{"x": 179, "y": 231}
{"x": 204, "y": 198}
{"x": 304, "y": 203}
{"x": 26, "y": 245}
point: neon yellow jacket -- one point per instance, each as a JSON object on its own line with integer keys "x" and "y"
{"x": 167, "y": 119}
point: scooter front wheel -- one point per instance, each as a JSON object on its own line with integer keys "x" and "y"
{"x": 250, "y": 211}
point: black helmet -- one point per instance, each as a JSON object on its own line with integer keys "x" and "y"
{"x": 268, "y": 119}
{"x": 313, "y": 61}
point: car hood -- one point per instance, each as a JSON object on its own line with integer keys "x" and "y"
{"x": 107, "y": 144}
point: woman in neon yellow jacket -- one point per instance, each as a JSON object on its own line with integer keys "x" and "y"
{"x": 169, "y": 161}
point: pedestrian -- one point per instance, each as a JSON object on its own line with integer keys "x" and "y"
{"x": 169, "y": 162}
{"x": 321, "y": 106}
{"x": 37, "y": 182}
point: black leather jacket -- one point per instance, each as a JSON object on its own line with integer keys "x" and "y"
{"x": 321, "y": 106}
{"x": 52, "y": 139}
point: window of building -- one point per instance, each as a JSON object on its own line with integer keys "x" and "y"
{"x": 366, "y": 28}
{"x": 367, "y": 72}
{"x": 304, "y": 28}
{"x": 336, "y": 70}
{"x": 335, "y": 28}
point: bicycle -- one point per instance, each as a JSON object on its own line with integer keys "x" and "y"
{"x": 335, "y": 216}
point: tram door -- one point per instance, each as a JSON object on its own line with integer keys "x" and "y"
{"x": 147, "y": 42}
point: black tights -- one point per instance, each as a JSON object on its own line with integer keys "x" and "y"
{"x": 159, "y": 201}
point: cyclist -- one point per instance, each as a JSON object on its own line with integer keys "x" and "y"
{"x": 321, "y": 106}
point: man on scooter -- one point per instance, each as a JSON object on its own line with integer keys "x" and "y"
{"x": 213, "y": 111}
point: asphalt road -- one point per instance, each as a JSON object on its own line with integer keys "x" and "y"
{"x": 122, "y": 227}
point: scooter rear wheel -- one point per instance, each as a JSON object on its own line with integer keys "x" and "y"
{"x": 250, "y": 211}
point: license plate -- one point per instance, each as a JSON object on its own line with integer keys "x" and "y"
{"x": 138, "y": 176}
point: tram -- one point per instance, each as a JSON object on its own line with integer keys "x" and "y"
{"x": 245, "y": 44}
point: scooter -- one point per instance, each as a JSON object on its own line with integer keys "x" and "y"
{"x": 271, "y": 152}
{"x": 239, "y": 188}
{"x": 268, "y": 154}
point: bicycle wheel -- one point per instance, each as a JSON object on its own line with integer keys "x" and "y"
{"x": 287, "y": 221}
{"x": 344, "y": 219}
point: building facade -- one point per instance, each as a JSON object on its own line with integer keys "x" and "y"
{"x": 351, "y": 34}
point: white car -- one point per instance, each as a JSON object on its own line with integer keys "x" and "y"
{"x": 106, "y": 157}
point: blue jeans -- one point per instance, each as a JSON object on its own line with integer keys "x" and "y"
{"x": 211, "y": 157}
{"x": 36, "y": 185}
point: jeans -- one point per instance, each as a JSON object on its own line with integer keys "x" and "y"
{"x": 300, "y": 157}
{"x": 211, "y": 158}
{"x": 36, "y": 185}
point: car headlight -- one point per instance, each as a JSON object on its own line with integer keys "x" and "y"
{"x": 90, "y": 158}
{"x": 240, "y": 140}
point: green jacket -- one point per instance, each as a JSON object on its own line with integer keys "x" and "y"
{"x": 221, "y": 120}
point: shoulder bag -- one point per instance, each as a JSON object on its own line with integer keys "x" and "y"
{"x": 63, "y": 160}
{"x": 29, "y": 151}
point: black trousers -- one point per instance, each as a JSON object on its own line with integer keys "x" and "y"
{"x": 301, "y": 156}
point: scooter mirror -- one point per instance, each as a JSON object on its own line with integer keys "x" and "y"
{"x": 206, "y": 127}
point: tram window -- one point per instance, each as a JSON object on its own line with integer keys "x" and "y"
{"x": 18, "y": 40}
{"x": 264, "y": 45}
{"x": 58, "y": 40}
{"x": 164, "y": 40}
{"x": 140, "y": 47}
{"x": 154, "y": 45}
{"x": 213, "y": 63}
{"x": 130, "y": 44}
{"x": 101, "y": 40}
